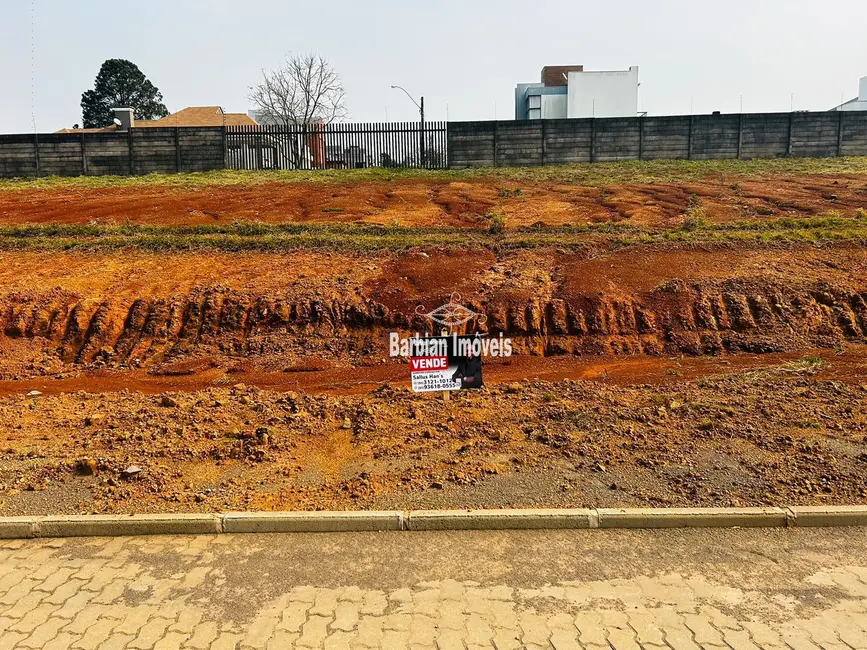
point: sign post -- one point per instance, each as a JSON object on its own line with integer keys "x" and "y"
{"x": 445, "y": 363}
{"x": 447, "y": 395}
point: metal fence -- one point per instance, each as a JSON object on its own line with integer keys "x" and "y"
{"x": 338, "y": 146}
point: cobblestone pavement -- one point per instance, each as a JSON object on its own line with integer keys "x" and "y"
{"x": 522, "y": 589}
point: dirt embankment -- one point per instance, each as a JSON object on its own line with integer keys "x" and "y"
{"x": 423, "y": 202}
{"x": 633, "y": 302}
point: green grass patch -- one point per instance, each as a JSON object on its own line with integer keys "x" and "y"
{"x": 585, "y": 174}
{"x": 805, "y": 366}
{"x": 492, "y": 233}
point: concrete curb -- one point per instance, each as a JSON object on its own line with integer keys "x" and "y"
{"x": 499, "y": 519}
{"x": 425, "y": 520}
{"x": 828, "y": 515}
{"x": 311, "y": 522}
{"x": 690, "y": 517}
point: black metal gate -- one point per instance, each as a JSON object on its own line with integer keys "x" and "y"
{"x": 338, "y": 146}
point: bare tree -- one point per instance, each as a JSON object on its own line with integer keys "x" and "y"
{"x": 305, "y": 90}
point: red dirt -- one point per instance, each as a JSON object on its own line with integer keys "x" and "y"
{"x": 661, "y": 375}
{"x": 438, "y": 203}
{"x": 850, "y": 366}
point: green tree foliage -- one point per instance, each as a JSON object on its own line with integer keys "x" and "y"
{"x": 120, "y": 84}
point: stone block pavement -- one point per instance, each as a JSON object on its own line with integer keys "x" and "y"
{"x": 506, "y": 590}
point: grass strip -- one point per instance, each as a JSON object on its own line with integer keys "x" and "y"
{"x": 584, "y": 174}
{"x": 367, "y": 238}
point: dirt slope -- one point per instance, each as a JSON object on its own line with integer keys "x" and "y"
{"x": 638, "y": 301}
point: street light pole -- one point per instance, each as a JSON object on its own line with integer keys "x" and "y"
{"x": 420, "y": 107}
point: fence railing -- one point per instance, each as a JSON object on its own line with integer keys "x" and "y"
{"x": 337, "y": 146}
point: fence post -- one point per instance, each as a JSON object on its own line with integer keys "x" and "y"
{"x": 592, "y": 139}
{"x": 789, "y": 141}
{"x": 689, "y": 141}
{"x": 740, "y": 132}
{"x": 225, "y": 149}
{"x": 496, "y": 143}
{"x": 177, "y": 150}
{"x": 840, "y": 133}
{"x": 640, "y": 137}
{"x": 131, "y": 154}
{"x": 544, "y": 147}
{"x": 83, "y": 157}
{"x": 38, "y": 162}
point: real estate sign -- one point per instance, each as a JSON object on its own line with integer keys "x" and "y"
{"x": 445, "y": 363}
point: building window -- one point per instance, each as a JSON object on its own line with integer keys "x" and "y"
{"x": 534, "y": 107}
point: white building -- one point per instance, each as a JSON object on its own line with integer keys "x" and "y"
{"x": 857, "y": 104}
{"x": 570, "y": 91}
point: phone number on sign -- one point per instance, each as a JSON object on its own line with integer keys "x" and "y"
{"x": 429, "y": 381}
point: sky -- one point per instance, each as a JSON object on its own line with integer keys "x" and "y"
{"x": 464, "y": 56}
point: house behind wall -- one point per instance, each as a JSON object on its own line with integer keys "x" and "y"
{"x": 570, "y": 91}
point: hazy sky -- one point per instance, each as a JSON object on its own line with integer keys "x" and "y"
{"x": 464, "y": 56}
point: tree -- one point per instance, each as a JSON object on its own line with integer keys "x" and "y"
{"x": 305, "y": 90}
{"x": 120, "y": 84}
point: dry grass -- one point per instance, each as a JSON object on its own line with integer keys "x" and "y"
{"x": 588, "y": 174}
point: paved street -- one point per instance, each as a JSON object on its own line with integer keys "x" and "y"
{"x": 773, "y": 588}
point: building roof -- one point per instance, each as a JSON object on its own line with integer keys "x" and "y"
{"x": 106, "y": 129}
{"x": 190, "y": 116}
{"x": 199, "y": 116}
{"x": 557, "y": 75}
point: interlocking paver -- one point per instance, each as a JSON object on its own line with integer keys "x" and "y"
{"x": 450, "y": 640}
{"x": 565, "y": 639}
{"x": 590, "y": 629}
{"x": 34, "y": 618}
{"x": 622, "y": 639}
{"x": 279, "y": 640}
{"x": 116, "y": 642}
{"x": 704, "y": 633}
{"x": 345, "y": 616}
{"x": 171, "y": 641}
{"x": 152, "y": 632}
{"x": 65, "y": 591}
{"x": 314, "y": 632}
{"x": 10, "y": 639}
{"x": 62, "y": 641}
{"x": 96, "y": 634}
{"x": 44, "y": 633}
{"x": 226, "y": 641}
{"x": 261, "y": 629}
{"x": 114, "y": 598}
{"x": 205, "y": 634}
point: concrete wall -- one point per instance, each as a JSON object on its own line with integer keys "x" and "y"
{"x": 470, "y": 144}
{"x": 603, "y": 94}
{"x": 696, "y": 137}
{"x": 138, "y": 151}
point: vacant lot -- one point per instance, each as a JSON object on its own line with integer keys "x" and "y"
{"x": 688, "y": 333}
{"x": 657, "y": 194}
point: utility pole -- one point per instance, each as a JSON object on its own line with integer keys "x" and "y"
{"x": 421, "y": 135}
{"x": 420, "y": 107}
